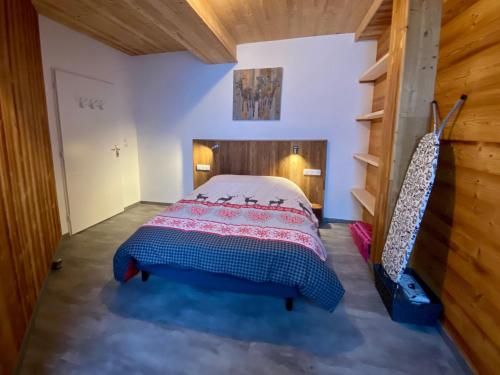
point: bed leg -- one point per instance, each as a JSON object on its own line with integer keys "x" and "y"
{"x": 289, "y": 304}
{"x": 144, "y": 275}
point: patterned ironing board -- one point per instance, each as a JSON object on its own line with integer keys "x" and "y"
{"x": 410, "y": 206}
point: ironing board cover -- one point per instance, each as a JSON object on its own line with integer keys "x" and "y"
{"x": 410, "y": 206}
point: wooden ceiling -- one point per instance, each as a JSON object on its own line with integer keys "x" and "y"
{"x": 261, "y": 20}
{"x": 210, "y": 29}
{"x": 376, "y": 20}
{"x": 139, "y": 27}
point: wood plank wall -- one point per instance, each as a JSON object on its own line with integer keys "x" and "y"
{"x": 458, "y": 248}
{"x": 375, "y": 143}
{"x": 29, "y": 219}
{"x": 245, "y": 157}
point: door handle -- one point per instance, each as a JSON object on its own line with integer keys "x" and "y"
{"x": 116, "y": 149}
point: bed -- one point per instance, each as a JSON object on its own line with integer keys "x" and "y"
{"x": 250, "y": 234}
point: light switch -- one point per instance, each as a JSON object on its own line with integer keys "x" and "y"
{"x": 312, "y": 172}
{"x": 203, "y": 167}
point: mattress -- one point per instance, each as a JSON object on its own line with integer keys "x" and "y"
{"x": 255, "y": 228}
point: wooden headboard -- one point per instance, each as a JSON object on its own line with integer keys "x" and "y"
{"x": 264, "y": 158}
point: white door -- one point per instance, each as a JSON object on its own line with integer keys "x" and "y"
{"x": 90, "y": 138}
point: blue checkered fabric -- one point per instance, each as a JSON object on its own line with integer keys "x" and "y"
{"x": 248, "y": 258}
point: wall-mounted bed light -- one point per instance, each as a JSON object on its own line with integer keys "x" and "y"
{"x": 215, "y": 147}
{"x": 295, "y": 149}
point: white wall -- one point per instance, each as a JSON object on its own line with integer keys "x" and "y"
{"x": 172, "y": 98}
{"x": 65, "y": 49}
{"x": 178, "y": 98}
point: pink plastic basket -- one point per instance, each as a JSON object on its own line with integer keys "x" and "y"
{"x": 362, "y": 236}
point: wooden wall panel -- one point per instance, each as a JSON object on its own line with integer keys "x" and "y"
{"x": 458, "y": 248}
{"x": 246, "y": 158}
{"x": 29, "y": 219}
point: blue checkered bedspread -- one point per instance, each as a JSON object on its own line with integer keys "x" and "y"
{"x": 248, "y": 258}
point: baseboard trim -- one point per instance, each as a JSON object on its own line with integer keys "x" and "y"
{"x": 157, "y": 203}
{"x": 337, "y": 221}
{"x": 457, "y": 353}
{"x": 132, "y": 205}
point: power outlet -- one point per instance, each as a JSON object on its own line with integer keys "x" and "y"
{"x": 312, "y": 172}
{"x": 203, "y": 167}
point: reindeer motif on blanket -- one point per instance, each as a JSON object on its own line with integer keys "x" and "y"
{"x": 225, "y": 199}
{"x": 201, "y": 197}
{"x": 305, "y": 209}
{"x": 278, "y": 202}
{"x": 249, "y": 200}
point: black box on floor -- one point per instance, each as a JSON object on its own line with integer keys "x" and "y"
{"x": 400, "y": 308}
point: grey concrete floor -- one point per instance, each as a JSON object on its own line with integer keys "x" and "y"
{"x": 88, "y": 324}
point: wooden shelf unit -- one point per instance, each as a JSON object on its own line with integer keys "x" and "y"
{"x": 371, "y": 116}
{"x": 368, "y": 158}
{"x": 366, "y": 199}
{"x": 376, "y": 70}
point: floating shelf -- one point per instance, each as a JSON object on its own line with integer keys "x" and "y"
{"x": 375, "y": 71}
{"x": 365, "y": 198}
{"x": 368, "y": 158}
{"x": 371, "y": 116}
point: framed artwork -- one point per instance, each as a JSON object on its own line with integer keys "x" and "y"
{"x": 257, "y": 94}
